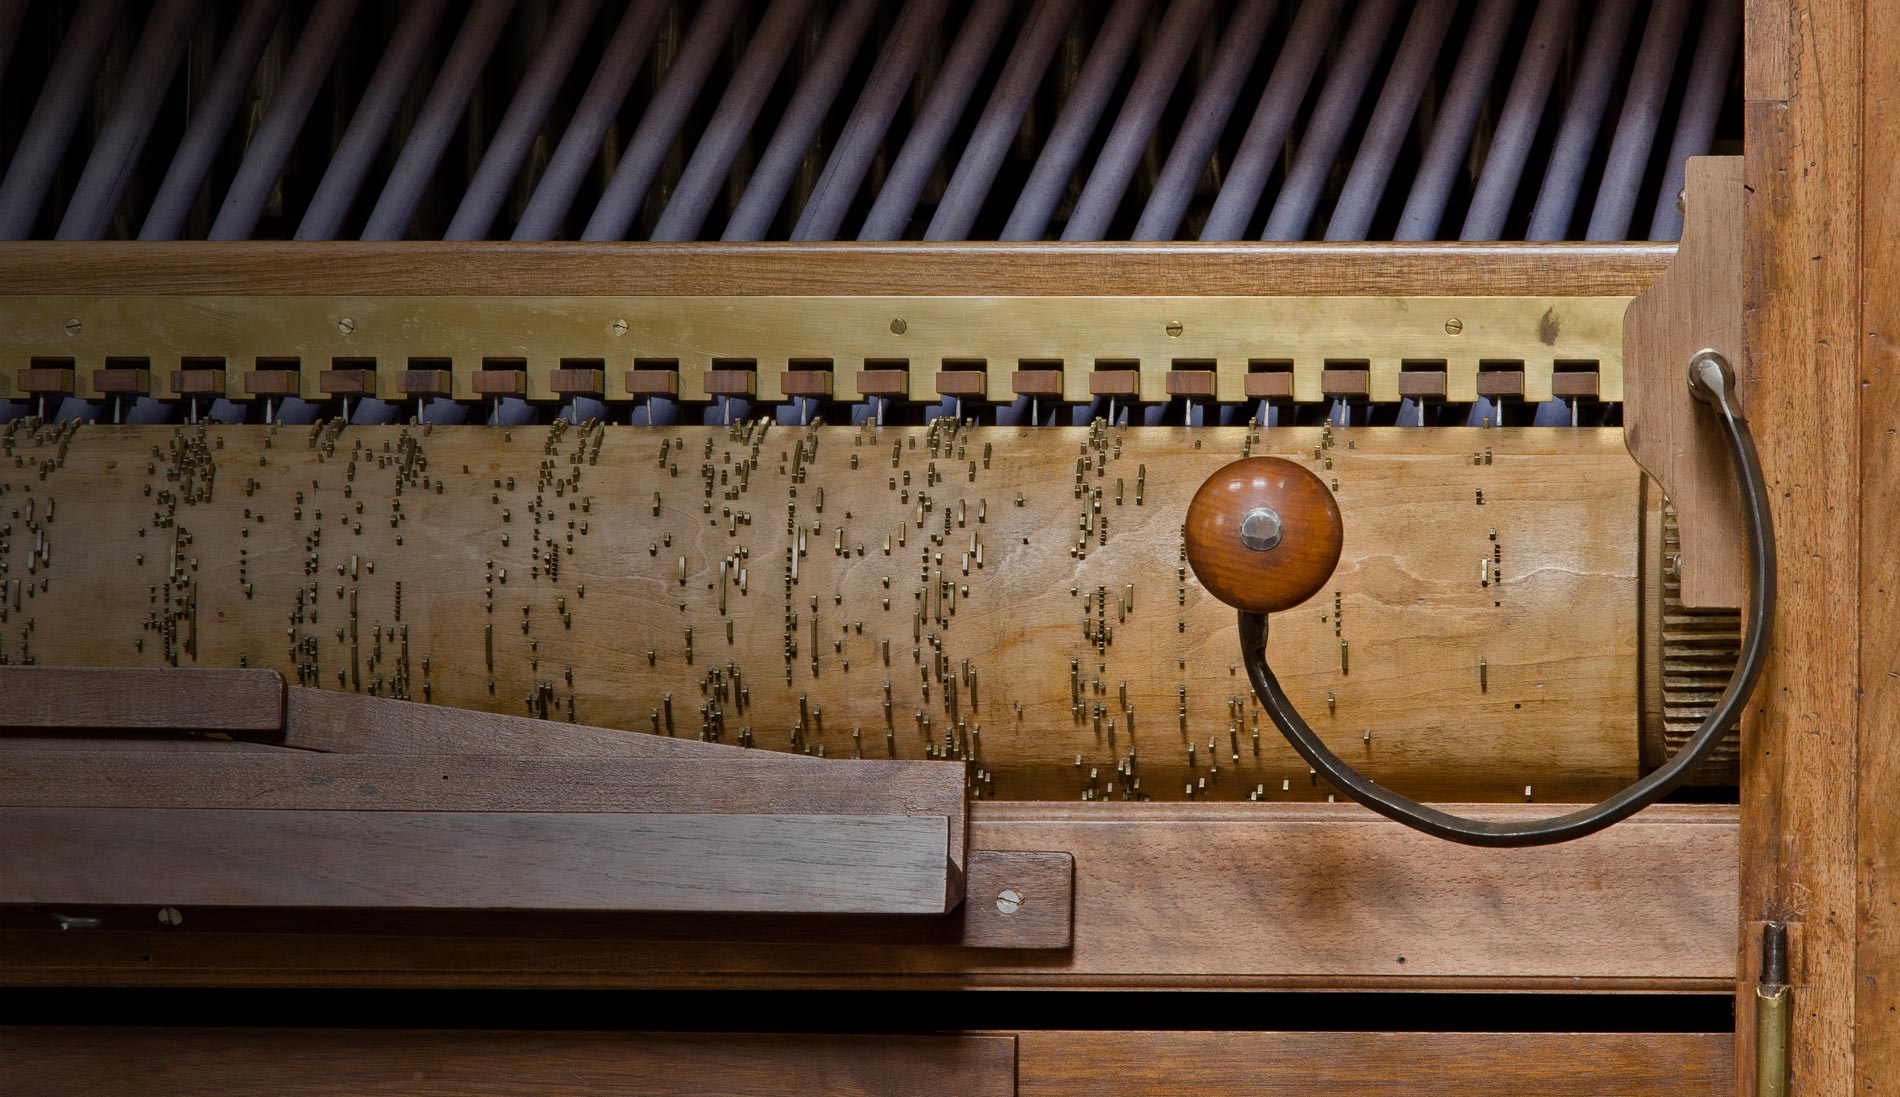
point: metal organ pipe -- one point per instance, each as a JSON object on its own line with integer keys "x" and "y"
{"x": 664, "y": 117}
{"x": 1200, "y": 131}
{"x": 49, "y": 129}
{"x": 798, "y": 126}
{"x": 1583, "y": 120}
{"x": 1002, "y": 116}
{"x": 738, "y": 109}
{"x": 1444, "y": 152}
{"x": 1517, "y": 124}
{"x": 1636, "y": 128}
{"x": 1339, "y": 99}
{"x": 527, "y": 111}
{"x": 129, "y": 124}
{"x": 211, "y": 119}
{"x": 441, "y": 113}
{"x": 580, "y": 142}
{"x": 1081, "y": 113}
{"x": 870, "y": 119}
{"x": 923, "y": 146}
{"x": 1272, "y": 120}
{"x": 1701, "y": 108}
{"x": 375, "y": 113}
{"x": 1391, "y": 120}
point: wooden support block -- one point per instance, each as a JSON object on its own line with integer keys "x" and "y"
{"x": 1696, "y": 304}
{"x": 425, "y": 382}
{"x": 198, "y": 382}
{"x": 273, "y": 382}
{"x": 806, "y": 382}
{"x": 212, "y": 1062}
{"x": 518, "y": 861}
{"x": 122, "y": 381}
{"x": 1197, "y": 384}
{"x": 347, "y": 382}
{"x": 499, "y": 382}
{"x": 1501, "y": 384}
{"x": 1422, "y": 384}
{"x": 45, "y": 380}
{"x": 142, "y": 698}
{"x": 1019, "y": 900}
{"x": 1583, "y": 384}
{"x": 578, "y": 382}
{"x": 884, "y": 382}
{"x": 732, "y": 382}
{"x": 1036, "y": 382}
{"x": 1346, "y": 383}
{"x": 961, "y": 382}
{"x": 1269, "y": 385}
{"x": 1115, "y": 382}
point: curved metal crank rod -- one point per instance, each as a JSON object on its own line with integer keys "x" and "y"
{"x": 1224, "y": 542}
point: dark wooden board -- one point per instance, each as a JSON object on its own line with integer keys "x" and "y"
{"x": 1371, "y": 1064}
{"x": 1166, "y": 895}
{"x": 843, "y": 864}
{"x": 211, "y": 1062}
{"x": 144, "y": 698}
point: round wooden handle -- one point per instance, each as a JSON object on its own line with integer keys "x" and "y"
{"x": 1263, "y": 534}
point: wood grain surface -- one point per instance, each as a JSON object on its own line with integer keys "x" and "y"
{"x": 1367, "y": 1064}
{"x": 1696, "y": 305}
{"x": 1611, "y": 270}
{"x": 350, "y": 723}
{"x": 141, "y": 699}
{"x": 1806, "y": 176}
{"x": 210, "y": 1062}
{"x": 1166, "y": 895}
{"x": 1017, "y": 610}
{"x": 473, "y": 860}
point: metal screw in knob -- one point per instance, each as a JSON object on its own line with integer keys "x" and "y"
{"x": 1009, "y": 901}
{"x": 1260, "y": 529}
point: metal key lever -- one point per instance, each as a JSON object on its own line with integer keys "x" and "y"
{"x": 1261, "y": 575}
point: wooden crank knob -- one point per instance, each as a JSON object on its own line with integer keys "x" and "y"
{"x": 1263, "y": 534}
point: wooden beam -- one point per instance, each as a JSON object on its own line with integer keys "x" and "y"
{"x": 1371, "y": 1064}
{"x": 807, "y": 864}
{"x": 507, "y": 269}
{"x": 213, "y": 1062}
{"x": 1166, "y": 895}
{"x": 141, "y": 699}
{"x": 1802, "y": 280}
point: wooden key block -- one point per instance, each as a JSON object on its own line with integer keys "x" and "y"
{"x": 347, "y": 382}
{"x": 198, "y": 382}
{"x": 961, "y": 382}
{"x": 273, "y": 382}
{"x": 805, "y": 382}
{"x": 1115, "y": 382}
{"x": 1347, "y": 383}
{"x": 1501, "y": 384}
{"x": 1576, "y": 384}
{"x": 1424, "y": 384}
{"x": 653, "y": 382}
{"x": 499, "y": 382}
{"x": 425, "y": 382}
{"x": 122, "y": 381}
{"x": 42, "y": 379}
{"x": 1275, "y": 385}
{"x": 732, "y": 382}
{"x": 1197, "y": 384}
{"x": 578, "y": 382}
{"x": 884, "y": 382}
{"x": 1036, "y": 382}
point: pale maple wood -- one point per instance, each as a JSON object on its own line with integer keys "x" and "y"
{"x": 1802, "y": 281}
{"x": 1424, "y": 594}
{"x": 765, "y": 269}
{"x": 1696, "y": 305}
{"x": 1164, "y": 896}
{"x": 1369, "y": 1064}
{"x": 215, "y": 1062}
{"x": 141, "y": 698}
